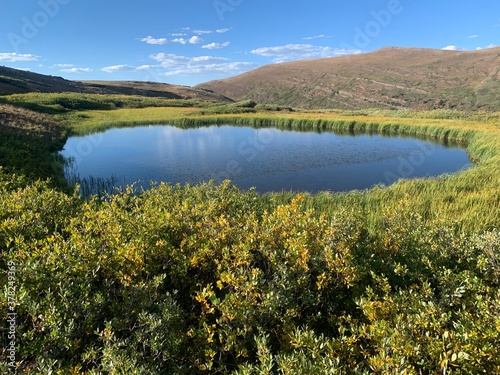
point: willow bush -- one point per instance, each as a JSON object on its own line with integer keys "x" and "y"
{"x": 211, "y": 279}
{"x": 189, "y": 279}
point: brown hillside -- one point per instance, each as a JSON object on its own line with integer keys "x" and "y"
{"x": 151, "y": 89}
{"x": 387, "y": 78}
{"x": 14, "y": 81}
{"x": 20, "y": 120}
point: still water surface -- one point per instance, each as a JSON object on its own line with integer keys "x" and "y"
{"x": 267, "y": 158}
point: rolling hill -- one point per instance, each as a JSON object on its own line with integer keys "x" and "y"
{"x": 388, "y": 78}
{"x": 14, "y": 81}
{"x": 391, "y": 78}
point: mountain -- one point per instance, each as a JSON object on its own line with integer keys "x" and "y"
{"x": 14, "y": 81}
{"x": 388, "y": 78}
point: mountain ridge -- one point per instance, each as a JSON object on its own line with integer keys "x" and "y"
{"x": 15, "y": 81}
{"x": 391, "y": 77}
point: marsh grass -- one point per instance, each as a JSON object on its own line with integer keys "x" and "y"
{"x": 59, "y": 103}
{"x": 88, "y": 186}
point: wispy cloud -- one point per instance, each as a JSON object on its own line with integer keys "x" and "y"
{"x": 291, "y": 52}
{"x": 195, "y": 40}
{"x": 174, "y": 65}
{"x": 315, "y": 37}
{"x": 118, "y": 68}
{"x": 222, "y": 31}
{"x": 216, "y": 45}
{"x": 487, "y": 47}
{"x": 169, "y": 60}
{"x": 151, "y": 40}
{"x": 202, "y": 32}
{"x": 451, "y": 48}
{"x": 180, "y": 40}
{"x": 77, "y": 70}
{"x": 472, "y": 36}
{"x": 229, "y": 68}
{"x": 168, "y": 64}
{"x": 64, "y": 65}
{"x": 17, "y": 57}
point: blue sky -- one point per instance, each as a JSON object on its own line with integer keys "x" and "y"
{"x": 192, "y": 41}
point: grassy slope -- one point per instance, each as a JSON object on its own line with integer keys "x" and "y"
{"x": 28, "y": 140}
{"x": 14, "y": 81}
{"x": 387, "y": 78}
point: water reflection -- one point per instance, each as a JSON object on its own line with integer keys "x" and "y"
{"x": 267, "y": 158}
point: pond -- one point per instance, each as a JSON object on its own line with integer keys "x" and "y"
{"x": 268, "y": 159}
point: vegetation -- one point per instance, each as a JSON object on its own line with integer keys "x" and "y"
{"x": 211, "y": 279}
{"x": 57, "y": 103}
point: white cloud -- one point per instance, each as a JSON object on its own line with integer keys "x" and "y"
{"x": 175, "y": 65}
{"x": 291, "y": 52}
{"x": 118, "y": 68}
{"x": 144, "y": 67}
{"x": 315, "y": 37}
{"x": 180, "y": 40}
{"x": 178, "y": 34}
{"x": 222, "y": 31}
{"x": 160, "y": 41}
{"x": 487, "y": 47}
{"x": 450, "y": 48}
{"x": 208, "y": 59}
{"x": 151, "y": 40}
{"x": 195, "y": 40}
{"x": 168, "y": 64}
{"x": 64, "y": 65}
{"x": 472, "y": 36}
{"x": 201, "y": 32}
{"x": 216, "y": 45}
{"x": 169, "y": 60}
{"x": 16, "y": 57}
{"x": 208, "y": 69}
{"x": 77, "y": 70}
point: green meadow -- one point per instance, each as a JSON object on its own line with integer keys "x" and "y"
{"x": 400, "y": 279}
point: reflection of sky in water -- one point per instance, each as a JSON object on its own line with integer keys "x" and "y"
{"x": 269, "y": 159}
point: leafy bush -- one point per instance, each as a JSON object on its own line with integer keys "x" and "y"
{"x": 245, "y": 106}
{"x": 189, "y": 279}
{"x": 210, "y": 279}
